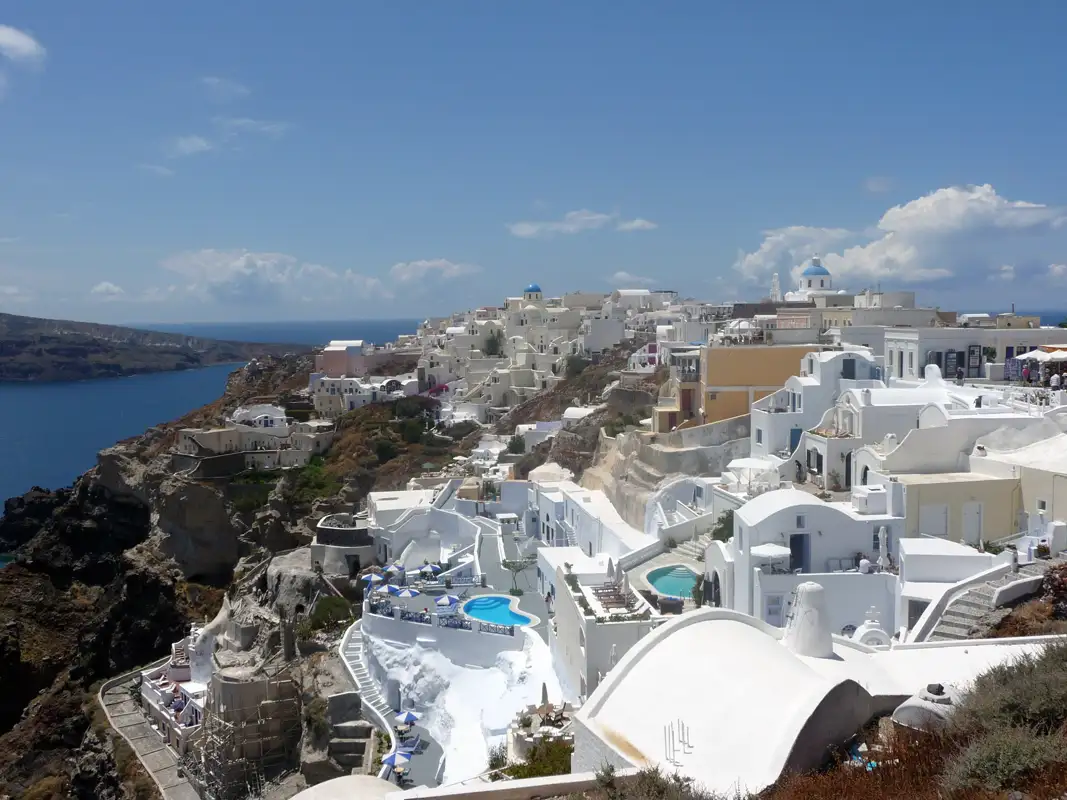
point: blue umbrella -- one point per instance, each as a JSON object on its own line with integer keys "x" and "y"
{"x": 396, "y": 759}
{"x": 384, "y": 590}
{"x": 393, "y": 569}
{"x": 408, "y": 593}
{"x": 372, "y": 578}
{"x": 446, "y": 600}
{"x": 393, "y": 590}
{"x": 431, "y": 568}
{"x": 407, "y": 717}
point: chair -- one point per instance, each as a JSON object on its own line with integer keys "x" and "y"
{"x": 409, "y": 746}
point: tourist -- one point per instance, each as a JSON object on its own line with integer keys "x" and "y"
{"x": 959, "y": 376}
{"x": 1054, "y": 381}
{"x": 1026, "y": 373}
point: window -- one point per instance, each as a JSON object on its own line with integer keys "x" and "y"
{"x": 801, "y": 521}
{"x": 890, "y": 352}
{"x": 876, "y": 543}
{"x": 1041, "y": 505}
{"x": 911, "y": 360}
{"x": 759, "y": 435}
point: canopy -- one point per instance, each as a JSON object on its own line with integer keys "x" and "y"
{"x": 1057, "y": 355}
{"x": 372, "y": 578}
{"x": 384, "y": 590}
{"x": 446, "y": 600}
{"x": 434, "y": 568}
{"x": 408, "y": 593}
{"x": 407, "y": 717}
{"x": 396, "y": 759}
{"x": 749, "y": 465}
{"x": 1034, "y": 355}
{"x": 770, "y": 550}
{"x": 393, "y": 568}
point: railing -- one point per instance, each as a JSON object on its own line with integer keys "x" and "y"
{"x": 492, "y": 627}
{"x": 421, "y": 617}
{"x": 458, "y": 623}
{"x": 378, "y": 719}
{"x": 933, "y": 613}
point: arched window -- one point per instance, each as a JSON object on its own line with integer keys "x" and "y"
{"x": 863, "y": 475}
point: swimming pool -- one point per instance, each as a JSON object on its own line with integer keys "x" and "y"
{"x": 495, "y": 608}
{"x": 674, "y": 581}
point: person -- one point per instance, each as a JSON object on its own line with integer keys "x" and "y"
{"x": 1054, "y": 381}
{"x": 959, "y": 375}
{"x": 1026, "y": 373}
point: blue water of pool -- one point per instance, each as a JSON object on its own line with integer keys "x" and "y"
{"x": 676, "y": 581}
{"x": 494, "y": 608}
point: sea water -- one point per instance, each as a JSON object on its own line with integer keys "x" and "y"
{"x": 52, "y": 431}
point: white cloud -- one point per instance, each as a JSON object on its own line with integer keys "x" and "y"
{"x": 408, "y": 271}
{"x": 1057, "y": 271}
{"x": 1005, "y": 272}
{"x": 107, "y": 290}
{"x": 878, "y": 184}
{"x": 156, "y": 169}
{"x": 636, "y": 225}
{"x": 187, "y": 146}
{"x": 233, "y": 126}
{"x": 249, "y": 277}
{"x": 224, "y": 90}
{"x": 948, "y": 232}
{"x": 624, "y": 279}
{"x": 20, "y": 47}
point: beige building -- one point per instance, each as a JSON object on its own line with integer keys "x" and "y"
{"x": 965, "y": 507}
{"x": 734, "y": 377}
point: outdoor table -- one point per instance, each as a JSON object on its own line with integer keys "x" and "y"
{"x": 402, "y": 728}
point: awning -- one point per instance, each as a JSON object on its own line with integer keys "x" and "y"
{"x": 770, "y": 550}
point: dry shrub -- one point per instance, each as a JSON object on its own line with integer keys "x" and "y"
{"x": 1035, "y": 618}
{"x": 1000, "y": 759}
{"x": 54, "y": 787}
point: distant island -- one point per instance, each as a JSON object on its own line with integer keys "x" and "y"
{"x": 42, "y": 350}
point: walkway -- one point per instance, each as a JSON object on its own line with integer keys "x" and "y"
{"x": 159, "y": 761}
{"x": 500, "y": 579}
{"x": 422, "y": 769}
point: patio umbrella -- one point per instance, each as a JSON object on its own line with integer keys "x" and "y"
{"x": 611, "y": 571}
{"x": 372, "y": 578}
{"x": 431, "y": 568}
{"x": 396, "y": 759}
{"x": 393, "y": 569}
{"x": 770, "y": 550}
{"x": 407, "y": 717}
{"x": 384, "y": 590}
{"x": 1058, "y": 355}
{"x": 393, "y": 590}
{"x": 408, "y": 593}
{"x": 446, "y": 600}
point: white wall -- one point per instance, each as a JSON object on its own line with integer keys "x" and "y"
{"x": 464, "y": 648}
{"x": 849, "y": 595}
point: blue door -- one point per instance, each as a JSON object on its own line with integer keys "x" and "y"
{"x": 794, "y": 439}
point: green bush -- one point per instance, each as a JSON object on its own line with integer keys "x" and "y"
{"x": 724, "y": 526}
{"x": 998, "y": 759}
{"x": 330, "y": 612}
{"x": 411, "y": 431}
{"x": 385, "y": 450}
{"x": 315, "y": 718}
{"x": 498, "y": 756}
{"x": 311, "y": 483}
{"x": 546, "y": 758}
{"x": 252, "y": 500}
{"x": 516, "y": 445}
{"x": 575, "y": 366}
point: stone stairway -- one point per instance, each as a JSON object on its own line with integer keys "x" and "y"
{"x": 348, "y": 743}
{"x": 694, "y": 548}
{"x": 963, "y": 615}
{"x": 368, "y": 688}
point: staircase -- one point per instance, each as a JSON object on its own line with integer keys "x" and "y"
{"x": 694, "y": 548}
{"x": 348, "y": 743}
{"x": 963, "y": 614}
{"x": 369, "y": 694}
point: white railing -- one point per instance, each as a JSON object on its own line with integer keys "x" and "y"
{"x": 933, "y": 613}
{"x": 365, "y": 691}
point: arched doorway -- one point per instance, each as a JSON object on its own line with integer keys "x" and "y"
{"x": 863, "y": 475}
{"x": 714, "y": 597}
{"x": 848, "y": 470}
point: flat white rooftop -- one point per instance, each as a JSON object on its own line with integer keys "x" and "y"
{"x": 399, "y": 500}
{"x": 925, "y": 546}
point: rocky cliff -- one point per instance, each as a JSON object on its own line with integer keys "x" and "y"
{"x": 107, "y": 574}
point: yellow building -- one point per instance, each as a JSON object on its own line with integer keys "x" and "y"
{"x": 733, "y": 377}
{"x": 965, "y": 507}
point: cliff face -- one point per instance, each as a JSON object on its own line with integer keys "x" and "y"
{"x": 108, "y": 573}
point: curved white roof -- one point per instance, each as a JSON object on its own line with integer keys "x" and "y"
{"x": 349, "y": 787}
{"x": 763, "y": 506}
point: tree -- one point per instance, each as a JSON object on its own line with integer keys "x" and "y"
{"x": 494, "y": 345}
{"x": 516, "y": 567}
{"x": 1062, "y": 324}
{"x": 724, "y": 526}
{"x": 698, "y": 591}
{"x": 575, "y": 366}
{"x": 411, "y": 430}
{"x": 516, "y": 445}
{"x": 385, "y": 450}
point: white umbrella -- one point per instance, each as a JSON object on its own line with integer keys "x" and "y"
{"x": 393, "y": 569}
{"x": 1058, "y": 355}
{"x": 611, "y": 571}
{"x": 770, "y": 550}
{"x": 408, "y": 593}
{"x": 372, "y": 578}
{"x": 446, "y": 600}
{"x": 383, "y": 590}
{"x": 1040, "y": 356}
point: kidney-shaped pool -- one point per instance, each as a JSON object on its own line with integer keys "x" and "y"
{"x": 676, "y": 580}
{"x": 495, "y": 608}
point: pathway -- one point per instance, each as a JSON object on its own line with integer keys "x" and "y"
{"x": 967, "y": 614}
{"x": 500, "y": 579}
{"x": 158, "y": 759}
{"x": 422, "y": 769}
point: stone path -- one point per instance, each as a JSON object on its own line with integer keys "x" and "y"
{"x": 158, "y": 759}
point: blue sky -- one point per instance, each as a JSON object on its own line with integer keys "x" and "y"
{"x": 338, "y": 159}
